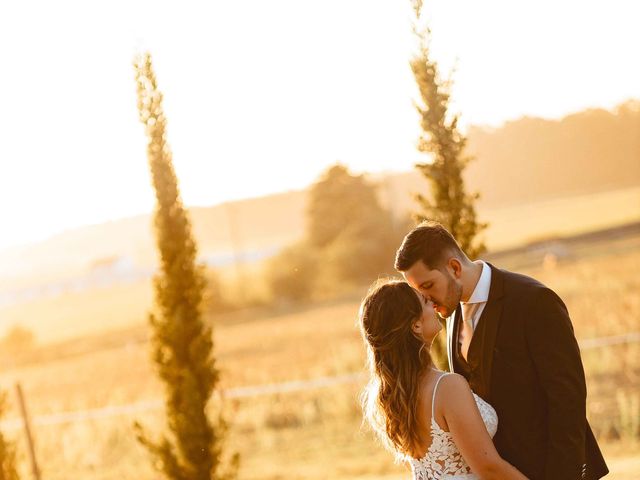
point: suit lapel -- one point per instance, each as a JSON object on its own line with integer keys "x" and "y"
{"x": 484, "y": 338}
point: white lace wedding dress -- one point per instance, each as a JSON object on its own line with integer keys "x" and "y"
{"x": 443, "y": 460}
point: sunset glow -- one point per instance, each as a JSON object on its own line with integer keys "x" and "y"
{"x": 254, "y": 88}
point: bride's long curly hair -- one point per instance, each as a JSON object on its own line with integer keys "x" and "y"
{"x": 397, "y": 361}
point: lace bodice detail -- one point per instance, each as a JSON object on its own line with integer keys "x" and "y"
{"x": 443, "y": 459}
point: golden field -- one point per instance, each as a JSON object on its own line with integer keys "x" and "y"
{"x": 311, "y": 434}
{"x": 75, "y": 312}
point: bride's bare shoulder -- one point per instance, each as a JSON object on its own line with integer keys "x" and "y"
{"x": 454, "y": 385}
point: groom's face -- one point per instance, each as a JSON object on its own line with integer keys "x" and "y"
{"x": 440, "y": 285}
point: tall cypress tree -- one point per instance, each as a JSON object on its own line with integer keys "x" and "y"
{"x": 182, "y": 342}
{"x": 448, "y": 202}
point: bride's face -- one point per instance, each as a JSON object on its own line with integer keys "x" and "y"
{"x": 428, "y": 325}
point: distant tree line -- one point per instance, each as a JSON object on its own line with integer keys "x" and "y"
{"x": 583, "y": 152}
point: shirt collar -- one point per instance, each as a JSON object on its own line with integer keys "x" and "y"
{"x": 481, "y": 292}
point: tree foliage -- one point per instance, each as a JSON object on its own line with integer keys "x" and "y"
{"x": 349, "y": 240}
{"x": 448, "y": 202}
{"x": 340, "y": 201}
{"x": 182, "y": 341}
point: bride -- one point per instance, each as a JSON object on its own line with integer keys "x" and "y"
{"x": 427, "y": 417}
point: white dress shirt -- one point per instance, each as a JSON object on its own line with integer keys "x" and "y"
{"x": 472, "y": 308}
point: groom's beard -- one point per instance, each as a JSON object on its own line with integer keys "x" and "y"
{"x": 452, "y": 298}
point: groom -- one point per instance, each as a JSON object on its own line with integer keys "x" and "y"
{"x": 511, "y": 337}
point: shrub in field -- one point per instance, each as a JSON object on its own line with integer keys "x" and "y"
{"x": 215, "y": 300}
{"x": 18, "y": 339}
{"x": 291, "y": 273}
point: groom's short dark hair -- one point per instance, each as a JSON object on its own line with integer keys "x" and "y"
{"x": 429, "y": 242}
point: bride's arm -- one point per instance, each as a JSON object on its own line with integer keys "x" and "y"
{"x": 458, "y": 407}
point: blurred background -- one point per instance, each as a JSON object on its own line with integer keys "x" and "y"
{"x": 294, "y": 129}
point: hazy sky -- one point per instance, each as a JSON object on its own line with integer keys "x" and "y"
{"x": 261, "y": 96}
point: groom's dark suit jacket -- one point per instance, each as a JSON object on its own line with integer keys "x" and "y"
{"x": 524, "y": 360}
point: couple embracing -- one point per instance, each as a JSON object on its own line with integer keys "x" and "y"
{"x": 514, "y": 404}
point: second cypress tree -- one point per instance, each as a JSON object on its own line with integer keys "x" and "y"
{"x": 448, "y": 203}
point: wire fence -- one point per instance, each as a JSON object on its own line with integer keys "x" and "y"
{"x": 251, "y": 391}
{"x": 591, "y": 343}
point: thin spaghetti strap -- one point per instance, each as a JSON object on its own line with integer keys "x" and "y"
{"x": 433, "y": 400}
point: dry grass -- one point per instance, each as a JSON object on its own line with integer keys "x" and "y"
{"x": 314, "y": 434}
{"x": 515, "y": 224}
{"x": 73, "y": 314}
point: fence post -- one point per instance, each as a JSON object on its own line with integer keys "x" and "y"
{"x": 27, "y": 429}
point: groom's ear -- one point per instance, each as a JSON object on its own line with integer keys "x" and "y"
{"x": 455, "y": 265}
